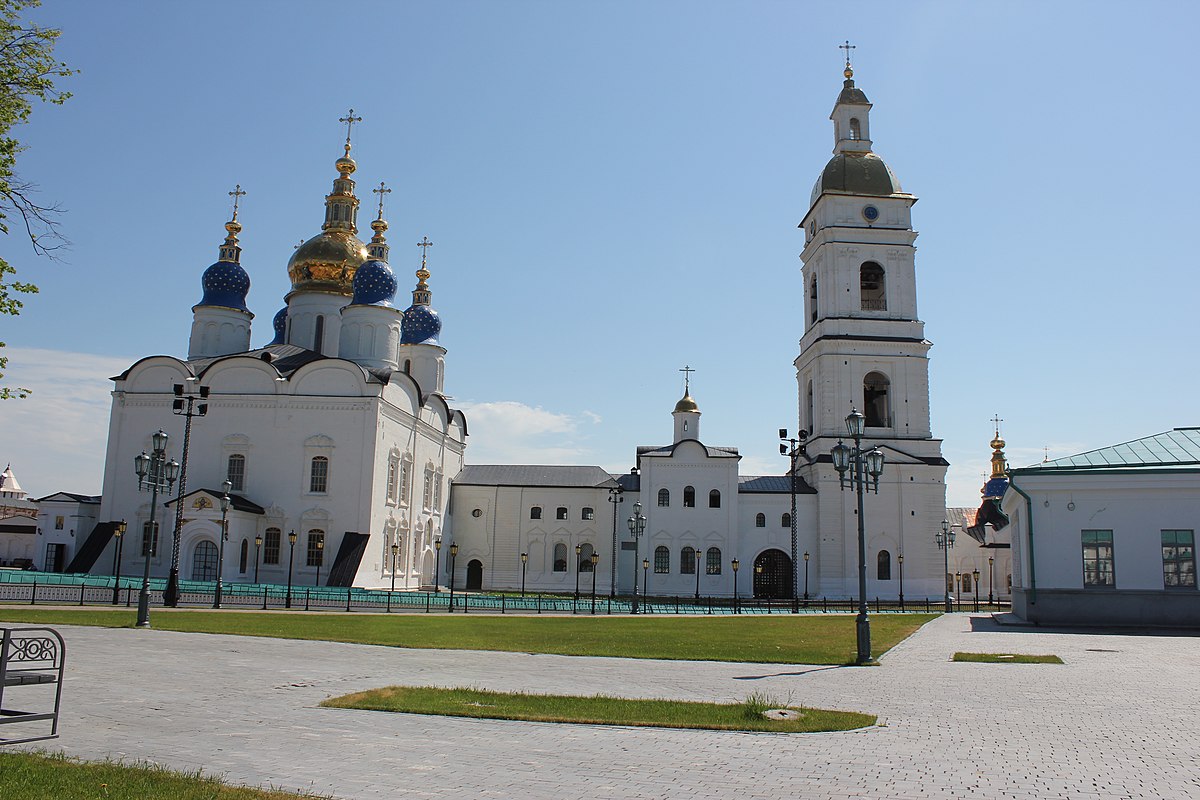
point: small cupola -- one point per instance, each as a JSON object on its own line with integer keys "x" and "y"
{"x": 686, "y": 413}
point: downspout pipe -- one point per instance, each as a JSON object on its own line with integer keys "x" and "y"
{"x": 1029, "y": 514}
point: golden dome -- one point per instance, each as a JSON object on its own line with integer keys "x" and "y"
{"x": 327, "y": 262}
{"x": 687, "y": 404}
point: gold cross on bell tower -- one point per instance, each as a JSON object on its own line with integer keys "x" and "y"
{"x": 687, "y": 376}
{"x": 349, "y": 119}
{"x": 847, "y": 47}
{"x": 381, "y": 191}
{"x": 236, "y": 194}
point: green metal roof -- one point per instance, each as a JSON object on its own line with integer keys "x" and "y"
{"x": 1176, "y": 448}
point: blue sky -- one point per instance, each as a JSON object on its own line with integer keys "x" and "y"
{"x": 613, "y": 191}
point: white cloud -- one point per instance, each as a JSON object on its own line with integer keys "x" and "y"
{"x": 55, "y": 439}
{"x": 508, "y": 432}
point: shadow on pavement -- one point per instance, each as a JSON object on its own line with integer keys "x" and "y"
{"x": 789, "y": 674}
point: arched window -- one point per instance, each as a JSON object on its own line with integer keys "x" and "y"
{"x": 560, "y": 557}
{"x": 760, "y": 520}
{"x": 585, "y": 557}
{"x": 270, "y": 552}
{"x": 966, "y": 584}
{"x": 315, "y": 549}
{"x": 713, "y": 561}
{"x": 883, "y": 566}
{"x": 949, "y": 583}
{"x": 535, "y": 512}
{"x": 877, "y": 405}
{"x": 319, "y": 334}
{"x": 687, "y": 561}
{"x": 235, "y": 472}
{"x": 812, "y": 298}
{"x": 318, "y": 475}
{"x": 786, "y": 520}
{"x": 689, "y": 497}
{"x": 561, "y": 512}
{"x": 662, "y": 560}
{"x": 873, "y": 293}
{"x": 149, "y": 539}
{"x": 588, "y": 513}
{"x": 664, "y": 498}
{"x": 393, "y": 479}
{"x": 244, "y": 557}
{"x": 855, "y": 128}
{"x": 714, "y": 499}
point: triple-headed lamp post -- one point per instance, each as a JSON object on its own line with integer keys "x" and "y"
{"x": 119, "y": 533}
{"x": 945, "y": 540}
{"x": 158, "y": 475}
{"x": 225, "y": 487}
{"x": 865, "y": 467}
{"x": 637, "y": 526}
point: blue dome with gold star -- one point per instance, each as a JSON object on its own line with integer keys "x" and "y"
{"x": 374, "y": 284}
{"x": 279, "y": 324}
{"x": 421, "y": 325}
{"x": 225, "y": 284}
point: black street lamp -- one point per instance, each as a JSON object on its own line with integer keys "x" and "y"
{"x": 900, "y": 559}
{"x": 453, "y": 556}
{"x": 696, "y": 569}
{"x": 258, "y": 540}
{"x": 975, "y": 578}
{"x": 119, "y": 532}
{"x": 614, "y": 497}
{"x": 805, "y": 574}
{"x": 320, "y": 558}
{"x": 637, "y": 526}
{"x": 991, "y": 579}
{"x": 945, "y": 541}
{"x": 186, "y": 405}
{"x": 645, "y": 577}
{"x": 595, "y": 561}
{"x": 524, "y": 564}
{"x": 225, "y": 487}
{"x": 578, "y": 564}
{"x": 437, "y": 565}
{"x": 291, "y": 561}
{"x": 158, "y": 475}
{"x": 736, "y": 604}
{"x": 793, "y": 450}
{"x": 865, "y": 467}
{"x": 758, "y": 571}
{"x": 395, "y": 551}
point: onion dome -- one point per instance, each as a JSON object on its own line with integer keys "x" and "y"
{"x": 686, "y": 404}
{"x": 225, "y": 283}
{"x": 421, "y": 323}
{"x": 998, "y": 482}
{"x": 374, "y": 284}
{"x": 279, "y": 324}
{"x": 327, "y": 262}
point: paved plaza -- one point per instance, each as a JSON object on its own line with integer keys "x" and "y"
{"x": 1118, "y": 720}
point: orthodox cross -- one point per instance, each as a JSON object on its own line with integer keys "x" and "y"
{"x": 349, "y": 119}
{"x": 996, "y": 421}
{"x": 847, "y": 47}
{"x": 687, "y": 375}
{"x": 1045, "y": 457}
{"x": 424, "y": 244}
{"x": 236, "y": 194}
{"x": 381, "y": 191}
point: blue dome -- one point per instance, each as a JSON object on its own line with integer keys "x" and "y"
{"x": 995, "y": 487}
{"x": 421, "y": 325}
{"x": 374, "y": 284}
{"x": 225, "y": 284}
{"x": 280, "y": 326}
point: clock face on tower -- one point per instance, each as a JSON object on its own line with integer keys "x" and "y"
{"x": 870, "y": 213}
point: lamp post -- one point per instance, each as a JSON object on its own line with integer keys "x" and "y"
{"x": 258, "y": 540}
{"x": 736, "y": 605}
{"x": 291, "y": 561}
{"x": 225, "y": 487}
{"x": 524, "y": 564}
{"x": 805, "y": 574}
{"x": 453, "y": 556}
{"x": 395, "y": 552}
{"x": 614, "y": 497}
{"x": 645, "y": 577}
{"x": 945, "y": 541}
{"x": 158, "y": 475}
{"x": 865, "y": 467}
{"x": 595, "y": 561}
{"x": 637, "y": 526}
{"x": 696, "y": 569}
{"x": 320, "y": 558}
{"x": 437, "y": 565}
{"x": 758, "y": 570}
{"x": 793, "y": 450}
{"x": 975, "y": 579}
{"x": 186, "y": 405}
{"x": 900, "y": 559}
{"x": 119, "y": 532}
{"x": 578, "y": 564}
{"x": 991, "y": 579}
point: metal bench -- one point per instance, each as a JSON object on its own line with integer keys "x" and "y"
{"x": 30, "y": 657}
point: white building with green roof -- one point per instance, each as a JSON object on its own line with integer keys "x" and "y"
{"x": 1107, "y": 537}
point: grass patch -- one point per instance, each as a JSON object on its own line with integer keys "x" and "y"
{"x": 599, "y": 710}
{"x": 1006, "y": 658}
{"x": 783, "y": 639}
{"x": 48, "y": 775}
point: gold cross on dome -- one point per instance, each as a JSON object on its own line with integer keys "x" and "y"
{"x": 381, "y": 191}
{"x": 424, "y": 244}
{"x": 847, "y": 47}
{"x": 349, "y": 119}
{"x": 687, "y": 375}
{"x": 996, "y": 421}
{"x": 236, "y": 194}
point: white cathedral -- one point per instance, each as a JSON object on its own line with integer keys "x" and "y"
{"x": 338, "y": 432}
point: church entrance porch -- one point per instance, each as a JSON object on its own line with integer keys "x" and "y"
{"x": 475, "y": 575}
{"x": 773, "y": 575}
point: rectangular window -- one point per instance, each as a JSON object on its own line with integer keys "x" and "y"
{"x": 588, "y": 513}
{"x": 1179, "y": 558}
{"x": 235, "y": 473}
{"x": 149, "y": 540}
{"x": 1098, "y": 567}
{"x": 437, "y": 490}
{"x": 316, "y": 551}
{"x": 271, "y": 546}
{"x": 318, "y": 481}
{"x": 562, "y": 512}
{"x": 58, "y": 523}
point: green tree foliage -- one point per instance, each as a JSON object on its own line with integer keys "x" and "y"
{"x": 27, "y": 74}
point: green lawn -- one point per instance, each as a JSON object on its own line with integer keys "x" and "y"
{"x": 600, "y": 710}
{"x": 783, "y": 639}
{"x": 33, "y": 775}
{"x": 1006, "y": 658}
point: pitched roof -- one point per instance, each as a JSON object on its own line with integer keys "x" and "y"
{"x": 533, "y": 475}
{"x": 772, "y": 484}
{"x": 236, "y": 501}
{"x": 1175, "y": 449}
{"x": 70, "y": 497}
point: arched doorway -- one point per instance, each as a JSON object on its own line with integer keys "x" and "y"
{"x": 474, "y": 575}
{"x": 774, "y": 581}
{"x": 204, "y": 561}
